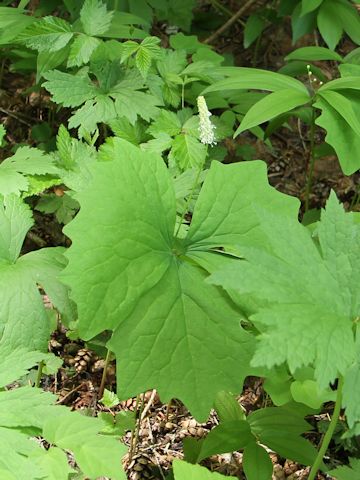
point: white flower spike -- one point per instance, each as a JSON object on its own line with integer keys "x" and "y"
{"x": 206, "y": 128}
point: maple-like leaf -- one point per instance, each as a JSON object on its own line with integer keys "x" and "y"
{"x": 132, "y": 276}
{"x": 305, "y": 291}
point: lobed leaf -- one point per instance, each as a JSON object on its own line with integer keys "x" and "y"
{"x": 146, "y": 285}
{"x": 305, "y": 296}
{"x": 69, "y": 90}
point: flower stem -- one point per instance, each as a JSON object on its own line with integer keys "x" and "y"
{"x": 312, "y": 160}
{"x": 329, "y": 432}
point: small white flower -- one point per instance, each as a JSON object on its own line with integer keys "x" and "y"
{"x": 206, "y": 128}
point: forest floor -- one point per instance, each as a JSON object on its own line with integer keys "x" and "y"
{"x": 163, "y": 427}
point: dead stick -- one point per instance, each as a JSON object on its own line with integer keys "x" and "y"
{"x": 231, "y": 20}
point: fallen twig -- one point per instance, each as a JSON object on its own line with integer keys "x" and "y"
{"x": 231, "y": 20}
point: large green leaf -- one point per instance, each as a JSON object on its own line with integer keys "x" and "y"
{"x": 240, "y": 78}
{"x": 313, "y": 54}
{"x": 271, "y": 106}
{"x": 256, "y": 463}
{"x": 340, "y": 135}
{"x": 306, "y": 294}
{"x": 131, "y": 275}
{"x": 309, "y": 5}
{"x": 329, "y": 23}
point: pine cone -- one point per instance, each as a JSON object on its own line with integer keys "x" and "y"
{"x": 141, "y": 468}
{"x": 83, "y": 360}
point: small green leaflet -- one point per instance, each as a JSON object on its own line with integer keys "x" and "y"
{"x": 49, "y": 34}
{"x": 256, "y": 463}
{"x": 309, "y": 5}
{"x": 306, "y": 296}
{"x": 95, "y": 18}
{"x": 23, "y": 319}
{"x": 81, "y": 50}
{"x": 132, "y": 104}
{"x": 146, "y": 286}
